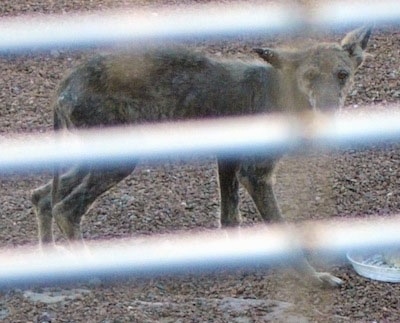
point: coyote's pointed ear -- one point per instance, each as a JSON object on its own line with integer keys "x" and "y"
{"x": 269, "y": 55}
{"x": 355, "y": 43}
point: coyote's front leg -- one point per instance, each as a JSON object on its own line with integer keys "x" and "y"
{"x": 256, "y": 176}
{"x": 229, "y": 192}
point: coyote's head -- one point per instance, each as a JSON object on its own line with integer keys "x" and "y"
{"x": 319, "y": 77}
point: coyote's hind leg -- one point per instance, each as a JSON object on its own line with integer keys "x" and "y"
{"x": 41, "y": 200}
{"x": 69, "y": 210}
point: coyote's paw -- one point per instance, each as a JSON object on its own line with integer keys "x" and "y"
{"x": 327, "y": 280}
{"x": 75, "y": 249}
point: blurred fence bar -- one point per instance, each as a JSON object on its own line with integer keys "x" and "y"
{"x": 248, "y": 248}
{"x": 265, "y": 134}
{"x": 132, "y": 26}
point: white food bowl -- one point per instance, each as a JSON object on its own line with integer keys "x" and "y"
{"x": 374, "y": 267}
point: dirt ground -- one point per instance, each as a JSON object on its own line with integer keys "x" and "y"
{"x": 183, "y": 195}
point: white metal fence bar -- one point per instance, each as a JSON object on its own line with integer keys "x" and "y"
{"x": 183, "y": 253}
{"x": 337, "y": 13}
{"x": 236, "y": 136}
{"x": 38, "y": 32}
{"x": 114, "y": 26}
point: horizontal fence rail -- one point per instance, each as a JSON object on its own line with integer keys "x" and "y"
{"x": 241, "y": 136}
{"x": 249, "y": 248}
{"x": 110, "y": 27}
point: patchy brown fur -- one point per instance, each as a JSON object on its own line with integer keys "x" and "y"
{"x": 174, "y": 84}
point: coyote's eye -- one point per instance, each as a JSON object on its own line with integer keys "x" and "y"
{"x": 342, "y": 75}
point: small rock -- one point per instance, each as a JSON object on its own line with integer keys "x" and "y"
{"x": 44, "y": 318}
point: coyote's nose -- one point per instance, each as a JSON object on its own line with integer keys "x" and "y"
{"x": 329, "y": 102}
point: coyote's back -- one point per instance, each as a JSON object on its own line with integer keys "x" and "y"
{"x": 164, "y": 84}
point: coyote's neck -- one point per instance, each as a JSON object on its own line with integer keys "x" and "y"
{"x": 290, "y": 99}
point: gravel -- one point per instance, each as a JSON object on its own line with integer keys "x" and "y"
{"x": 182, "y": 195}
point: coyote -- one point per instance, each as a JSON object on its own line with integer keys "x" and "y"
{"x": 174, "y": 84}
